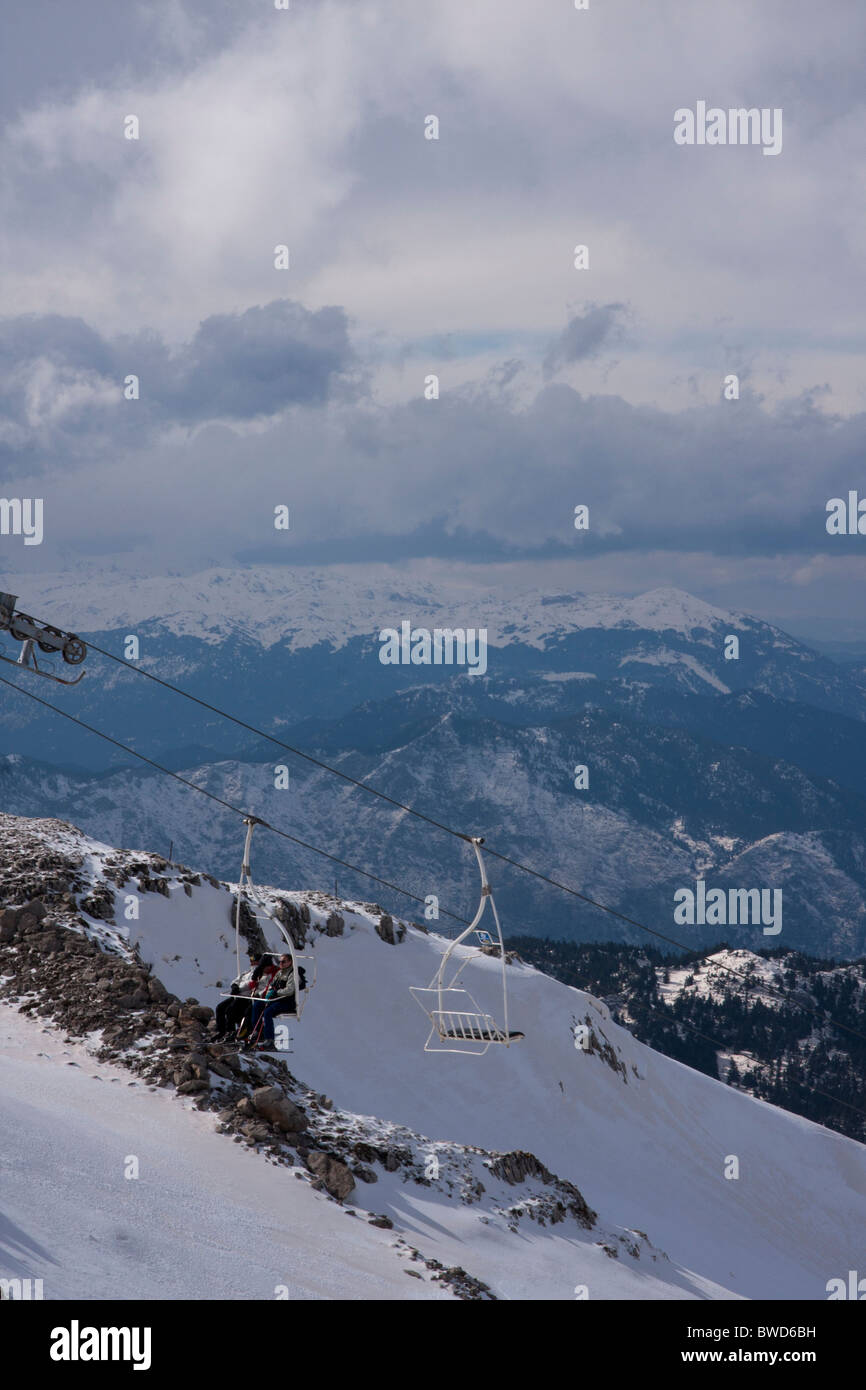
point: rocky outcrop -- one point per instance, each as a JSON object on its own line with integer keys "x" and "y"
{"x": 247, "y": 924}
{"x": 274, "y": 1104}
{"x": 81, "y": 973}
{"x": 388, "y": 932}
{"x": 517, "y": 1167}
{"x": 334, "y": 925}
{"x": 334, "y": 1175}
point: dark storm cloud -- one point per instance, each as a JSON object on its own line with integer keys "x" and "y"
{"x": 480, "y": 473}
{"x": 61, "y": 383}
{"x": 584, "y": 336}
{"x": 256, "y": 363}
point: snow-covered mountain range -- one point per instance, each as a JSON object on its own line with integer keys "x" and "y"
{"x": 663, "y": 808}
{"x": 749, "y": 769}
{"x": 559, "y": 1172}
{"x": 280, "y": 645}
{"x": 304, "y": 606}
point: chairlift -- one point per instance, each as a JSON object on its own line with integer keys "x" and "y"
{"x": 248, "y": 889}
{"x": 457, "y": 1024}
{"x": 48, "y": 639}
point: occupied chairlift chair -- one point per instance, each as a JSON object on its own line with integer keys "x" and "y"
{"x": 248, "y": 888}
{"x": 457, "y": 1023}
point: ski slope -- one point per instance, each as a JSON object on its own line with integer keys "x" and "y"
{"x": 646, "y": 1145}
{"x": 205, "y": 1219}
{"x": 645, "y": 1140}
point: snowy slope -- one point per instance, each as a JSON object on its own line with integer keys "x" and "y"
{"x": 204, "y": 1219}
{"x": 645, "y": 1139}
{"x": 208, "y": 1220}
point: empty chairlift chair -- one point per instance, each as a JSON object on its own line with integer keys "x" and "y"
{"x": 457, "y": 1023}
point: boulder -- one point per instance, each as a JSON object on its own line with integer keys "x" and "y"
{"x": 199, "y": 1012}
{"x": 258, "y": 1133}
{"x": 334, "y": 1175}
{"x": 334, "y": 925}
{"x": 276, "y": 1107}
{"x": 385, "y": 929}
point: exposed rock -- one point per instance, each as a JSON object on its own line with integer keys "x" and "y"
{"x": 388, "y": 932}
{"x": 334, "y": 1175}
{"x": 290, "y": 916}
{"x": 200, "y": 1013}
{"x": 198, "y": 1065}
{"x": 249, "y": 927}
{"x": 517, "y": 1166}
{"x": 99, "y": 904}
{"x": 271, "y": 1102}
{"x": 221, "y": 1070}
{"x": 334, "y": 925}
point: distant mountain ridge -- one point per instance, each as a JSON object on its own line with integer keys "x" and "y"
{"x": 278, "y": 646}
{"x": 303, "y": 606}
{"x": 664, "y": 806}
{"x": 747, "y": 770}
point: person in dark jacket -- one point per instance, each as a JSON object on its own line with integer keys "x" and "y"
{"x": 280, "y": 998}
{"x": 230, "y": 1013}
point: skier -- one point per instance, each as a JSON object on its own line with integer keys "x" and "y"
{"x": 279, "y": 999}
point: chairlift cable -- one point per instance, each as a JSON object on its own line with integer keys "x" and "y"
{"x": 237, "y": 810}
{"x": 364, "y": 872}
{"x": 457, "y": 834}
{"x": 430, "y": 820}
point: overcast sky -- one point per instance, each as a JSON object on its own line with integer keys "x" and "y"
{"x": 454, "y": 257}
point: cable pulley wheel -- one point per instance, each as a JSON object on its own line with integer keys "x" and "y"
{"x": 14, "y": 630}
{"x": 46, "y": 646}
{"x": 74, "y": 651}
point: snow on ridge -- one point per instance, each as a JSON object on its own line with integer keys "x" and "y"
{"x": 304, "y": 606}
{"x": 641, "y": 1136}
{"x": 665, "y": 656}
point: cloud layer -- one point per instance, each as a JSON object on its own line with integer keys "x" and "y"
{"x": 558, "y": 386}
